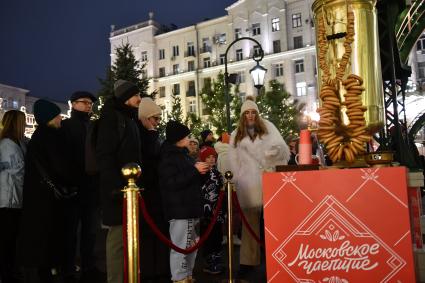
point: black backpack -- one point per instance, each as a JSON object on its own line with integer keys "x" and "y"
{"x": 91, "y": 167}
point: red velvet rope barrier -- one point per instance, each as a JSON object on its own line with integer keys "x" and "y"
{"x": 124, "y": 238}
{"x": 245, "y": 222}
{"x": 167, "y": 241}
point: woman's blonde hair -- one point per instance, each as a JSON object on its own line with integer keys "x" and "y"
{"x": 13, "y": 125}
{"x": 260, "y": 128}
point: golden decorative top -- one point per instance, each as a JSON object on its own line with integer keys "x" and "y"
{"x": 131, "y": 171}
{"x": 228, "y": 175}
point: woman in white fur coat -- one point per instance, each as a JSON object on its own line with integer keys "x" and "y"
{"x": 256, "y": 146}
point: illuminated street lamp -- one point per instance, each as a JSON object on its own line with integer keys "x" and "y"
{"x": 258, "y": 73}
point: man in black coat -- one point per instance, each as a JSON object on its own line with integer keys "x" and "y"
{"x": 118, "y": 143}
{"x": 154, "y": 254}
{"x": 84, "y": 208}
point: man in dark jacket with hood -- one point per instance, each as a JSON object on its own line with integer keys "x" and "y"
{"x": 118, "y": 143}
{"x": 83, "y": 208}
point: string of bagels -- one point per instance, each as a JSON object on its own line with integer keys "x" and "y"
{"x": 343, "y": 142}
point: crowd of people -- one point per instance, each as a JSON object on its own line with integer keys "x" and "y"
{"x": 66, "y": 181}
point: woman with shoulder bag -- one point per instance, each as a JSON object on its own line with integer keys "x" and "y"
{"x": 12, "y": 152}
{"x": 41, "y": 246}
{"x": 256, "y": 146}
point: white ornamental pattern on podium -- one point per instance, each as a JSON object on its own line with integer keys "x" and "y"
{"x": 332, "y": 241}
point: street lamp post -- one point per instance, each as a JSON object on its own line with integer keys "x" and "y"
{"x": 257, "y": 73}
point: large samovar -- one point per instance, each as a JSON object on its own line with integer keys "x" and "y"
{"x": 349, "y": 76}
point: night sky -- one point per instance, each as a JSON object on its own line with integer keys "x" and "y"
{"x": 54, "y": 47}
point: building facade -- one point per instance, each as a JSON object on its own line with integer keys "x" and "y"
{"x": 14, "y": 98}
{"x": 180, "y": 62}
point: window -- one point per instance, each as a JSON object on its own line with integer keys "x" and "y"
{"x": 207, "y": 62}
{"x": 176, "y": 89}
{"x": 191, "y": 65}
{"x": 190, "y": 49}
{"x": 144, "y": 56}
{"x": 238, "y": 33}
{"x": 162, "y": 72}
{"x": 256, "y": 30}
{"x": 239, "y": 55}
{"x": 257, "y": 51}
{"x": 276, "y": 46}
{"x": 175, "y": 69}
{"x": 164, "y": 113}
{"x": 192, "y": 106}
{"x": 301, "y": 89}
{"x": 242, "y": 95}
{"x": 420, "y": 45}
{"x": 241, "y": 77}
{"x": 162, "y": 91}
{"x": 205, "y": 45}
{"x": 175, "y": 50}
{"x": 421, "y": 70}
{"x": 5, "y": 103}
{"x": 207, "y": 81}
{"x": 296, "y": 20}
{"x": 275, "y": 24}
{"x": 278, "y": 70}
{"x": 299, "y": 66}
{"x": 190, "y": 88}
{"x": 221, "y": 38}
{"x": 222, "y": 59}
{"x": 161, "y": 54}
{"x": 298, "y": 42}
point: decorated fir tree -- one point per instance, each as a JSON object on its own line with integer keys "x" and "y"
{"x": 214, "y": 101}
{"x": 277, "y": 106}
{"x": 125, "y": 67}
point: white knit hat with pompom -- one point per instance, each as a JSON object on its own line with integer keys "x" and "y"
{"x": 249, "y": 104}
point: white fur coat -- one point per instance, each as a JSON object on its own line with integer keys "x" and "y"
{"x": 249, "y": 159}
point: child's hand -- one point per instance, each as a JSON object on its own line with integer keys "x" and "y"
{"x": 202, "y": 167}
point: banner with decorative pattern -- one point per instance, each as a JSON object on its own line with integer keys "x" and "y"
{"x": 338, "y": 226}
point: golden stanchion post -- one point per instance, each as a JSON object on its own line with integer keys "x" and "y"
{"x": 132, "y": 172}
{"x": 230, "y": 188}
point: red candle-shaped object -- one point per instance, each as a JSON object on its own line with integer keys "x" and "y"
{"x": 304, "y": 148}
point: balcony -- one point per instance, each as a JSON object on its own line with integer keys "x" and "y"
{"x": 190, "y": 53}
{"x": 205, "y": 49}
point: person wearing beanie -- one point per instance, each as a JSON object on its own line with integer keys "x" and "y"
{"x": 149, "y": 113}
{"x": 193, "y": 148}
{"x": 125, "y": 90}
{"x": 85, "y": 211}
{"x": 212, "y": 182}
{"x": 207, "y": 138}
{"x": 180, "y": 187}
{"x": 207, "y": 151}
{"x": 154, "y": 255}
{"x": 43, "y": 217}
{"x": 256, "y": 146}
{"x": 47, "y": 112}
{"x": 117, "y": 143}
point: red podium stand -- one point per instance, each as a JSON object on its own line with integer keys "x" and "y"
{"x": 338, "y": 226}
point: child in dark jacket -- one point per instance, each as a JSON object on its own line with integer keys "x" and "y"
{"x": 180, "y": 187}
{"x": 212, "y": 184}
